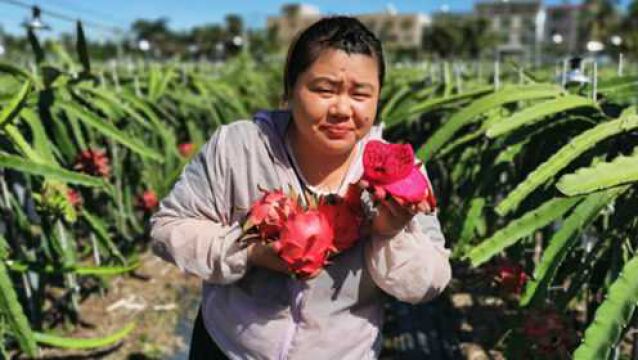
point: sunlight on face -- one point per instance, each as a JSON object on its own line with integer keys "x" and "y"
{"x": 334, "y": 102}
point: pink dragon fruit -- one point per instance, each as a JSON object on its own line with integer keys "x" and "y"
{"x": 305, "y": 242}
{"x": 389, "y": 169}
{"x": 269, "y": 214}
{"x": 345, "y": 216}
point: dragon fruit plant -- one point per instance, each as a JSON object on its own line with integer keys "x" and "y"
{"x": 510, "y": 276}
{"x": 93, "y": 162}
{"x": 389, "y": 171}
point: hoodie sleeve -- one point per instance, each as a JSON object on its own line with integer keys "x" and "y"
{"x": 413, "y": 265}
{"x": 191, "y": 228}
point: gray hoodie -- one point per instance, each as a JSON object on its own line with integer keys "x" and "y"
{"x": 255, "y": 313}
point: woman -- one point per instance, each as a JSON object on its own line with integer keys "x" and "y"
{"x": 252, "y": 308}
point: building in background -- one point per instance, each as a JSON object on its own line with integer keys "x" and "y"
{"x": 518, "y": 24}
{"x": 526, "y": 29}
{"x": 562, "y": 27}
{"x": 293, "y": 18}
{"x": 397, "y": 31}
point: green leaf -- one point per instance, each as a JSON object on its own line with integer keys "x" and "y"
{"x": 396, "y": 98}
{"x": 4, "y": 248}
{"x": 519, "y": 228}
{"x": 474, "y": 215}
{"x": 20, "y": 143}
{"x": 470, "y": 113}
{"x": 63, "y": 55}
{"x": 536, "y": 113}
{"x": 19, "y": 266}
{"x": 11, "y": 110}
{"x": 115, "y": 102}
{"x": 82, "y": 50}
{"x": 158, "y": 82}
{"x": 612, "y": 316}
{"x": 78, "y": 343}
{"x": 622, "y": 170}
{"x": 98, "y": 226}
{"x": 431, "y": 104}
{"x": 41, "y": 143}
{"x": 109, "y": 130}
{"x": 564, "y": 156}
{"x": 16, "y": 71}
{"x": 563, "y": 240}
{"x": 35, "y": 46}
{"x": 493, "y": 116}
{"x": 11, "y": 308}
{"x": 49, "y": 171}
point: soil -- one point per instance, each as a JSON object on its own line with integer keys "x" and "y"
{"x": 468, "y": 322}
{"x": 158, "y": 297}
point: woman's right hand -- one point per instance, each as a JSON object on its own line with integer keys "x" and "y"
{"x": 264, "y": 255}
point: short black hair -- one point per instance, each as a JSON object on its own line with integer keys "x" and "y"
{"x": 335, "y": 32}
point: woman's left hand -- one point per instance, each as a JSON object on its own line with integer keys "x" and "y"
{"x": 392, "y": 217}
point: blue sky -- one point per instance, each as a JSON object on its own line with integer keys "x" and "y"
{"x": 186, "y": 13}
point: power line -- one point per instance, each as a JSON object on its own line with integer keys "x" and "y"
{"x": 57, "y": 15}
{"x": 74, "y": 8}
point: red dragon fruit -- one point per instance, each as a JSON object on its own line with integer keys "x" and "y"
{"x": 147, "y": 201}
{"x": 548, "y": 333}
{"x": 74, "y": 197}
{"x": 93, "y": 162}
{"x": 269, "y": 213}
{"x": 389, "y": 169}
{"x": 345, "y": 216}
{"x": 186, "y": 149}
{"x": 305, "y": 242}
{"x": 510, "y": 276}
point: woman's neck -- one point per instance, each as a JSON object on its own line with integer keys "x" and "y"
{"x": 326, "y": 172}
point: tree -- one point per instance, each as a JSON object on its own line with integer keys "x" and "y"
{"x": 599, "y": 20}
{"x": 234, "y": 25}
{"x": 629, "y": 33}
{"x": 162, "y": 40}
{"x": 454, "y": 35}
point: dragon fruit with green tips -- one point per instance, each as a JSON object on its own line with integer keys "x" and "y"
{"x": 304, "y": 238}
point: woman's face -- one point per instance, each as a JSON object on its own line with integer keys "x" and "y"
{"x": 334, "y": 102}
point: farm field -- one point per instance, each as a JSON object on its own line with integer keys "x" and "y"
{"x": 536, "y": 178}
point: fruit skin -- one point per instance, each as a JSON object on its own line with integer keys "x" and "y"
{"x": 305, "y": 242}
{"x": 389, "y": 169}
{"x": 305, "y": 238}
{"x": 147, "y": 201}
{"x": 510, "y": 276}
{"x": 186, "y": 149}
{"x": 345, "y": 216}
{"x": 269, "y": 214}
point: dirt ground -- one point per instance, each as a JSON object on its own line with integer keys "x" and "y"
{"x": 163, "y": 302}
{"x": 160, "y": 299}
